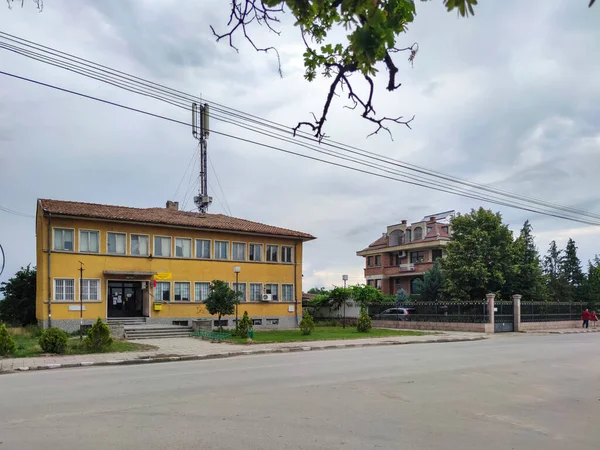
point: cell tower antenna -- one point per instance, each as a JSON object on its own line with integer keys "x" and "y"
{"x": 200, "y": 131}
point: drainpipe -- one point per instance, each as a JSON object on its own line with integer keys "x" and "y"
{"x": 49, "y": 277}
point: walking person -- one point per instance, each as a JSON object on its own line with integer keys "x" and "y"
{"x": 586, "y": 316}
{"x": 594, "y": 319}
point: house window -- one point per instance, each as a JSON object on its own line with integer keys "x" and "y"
{"x": 162, "y": 246}
{"x": 64, "y": 289}
{"x": 183, "y": 248}
{"x": 221, "y": 323}
{"x": 378, "y": 284}
{"x": 63, "y": 239}
{"x": 88, "y": 241}
{"x": 256, "y": 292}
{"x": 370, "y": 282}
{"x": 201, "y": 291}
{"x": 182, "y": 291}
{"x": 418, "y": 233}
{"x": 287, "y": 292}
{"x": 414, "y": 286}
{"x": 369, "y": 261}
{"x": 272, "y": 289}
{"x": 429, "y": 229}
{"x": 140, "y": 244}
{"x": 255, "y": 252}
{"x": 202, "y": 248}
{"x": 445, "y": 229}
{"x": 378, "y": 260}
{"x": 286, "y": 254}
{"x": 436, "y": 254}
{"x": 396, "y": 238}
{"x": 90, "y": 289}
{"x": 408, "y": 236}
{"x": 116, "y": 243}
{"x": 417, "y": 257}
{"x": 162, "y": 291}
{"x": 272, "y": 321}
{"x": 221, "y": 248}
{"x": 256, "y": 321}
{"x": 238, "y": 251}
{"x": 271, "y": 253}
{"x": 240, "y": 287}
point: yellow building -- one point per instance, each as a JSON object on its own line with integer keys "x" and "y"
{"x": 157, "y": 263}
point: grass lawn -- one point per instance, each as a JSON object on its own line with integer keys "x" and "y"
{"x": 325, "y": 333}
{"x": 28, "y": 346}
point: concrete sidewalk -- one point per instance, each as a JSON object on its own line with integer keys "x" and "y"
{"x": 186, "y": 349}
{"x": 566, "y": 331}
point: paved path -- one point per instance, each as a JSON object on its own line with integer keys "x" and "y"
{"x": 193, "y": 348}
{"x": 522, "y": 392}
{"x": 567, "y": 331}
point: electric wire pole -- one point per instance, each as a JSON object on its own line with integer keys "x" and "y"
{"x": 200, "y": 131}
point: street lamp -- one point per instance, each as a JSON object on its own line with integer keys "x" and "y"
{"x": 344, "y": 278}
{"x": 237, "y": 270}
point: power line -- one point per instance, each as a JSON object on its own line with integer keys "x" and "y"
{"x": 184, "y": 173}
{"x": 16, "y": 213}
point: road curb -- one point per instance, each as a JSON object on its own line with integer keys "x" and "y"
{"x": 222, "y": 355}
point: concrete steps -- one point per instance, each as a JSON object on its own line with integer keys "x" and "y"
{"x": 156, "y": 331}
{"x": 127, "y": 321}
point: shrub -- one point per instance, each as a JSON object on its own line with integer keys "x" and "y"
{"x": 98, "y": 337}
{"x": 363, "y": 324}
{"x": 53, "y": 340}
{"x": 33, "y": 331}
{"x": 244, "y": 326}
{"x": 7, "y": 343}
{"x": 307, "y": 325}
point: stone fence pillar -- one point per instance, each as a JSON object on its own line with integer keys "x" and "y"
{"x": 517, "y": 312}
{"x": 490, "y": 300}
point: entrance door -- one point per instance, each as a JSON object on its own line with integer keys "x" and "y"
{"x": 504, "y": 316}
{"x": 125, "y": 299}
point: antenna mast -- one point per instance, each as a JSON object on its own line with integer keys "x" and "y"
{"x": 200, "y": 131}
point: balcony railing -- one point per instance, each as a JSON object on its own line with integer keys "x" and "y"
{"x": 407, "y": 267}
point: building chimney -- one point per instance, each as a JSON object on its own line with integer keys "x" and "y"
{"x": 404, "y": 222}
{"x": 173, "y": 205}
{"x": 432, "y": 219}
{"x": 383, "y": 235}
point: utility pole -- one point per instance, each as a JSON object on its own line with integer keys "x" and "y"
{"x": 345, "y": 279}
{"x": 200, "y": 131}
{"x": 81, "y": 269}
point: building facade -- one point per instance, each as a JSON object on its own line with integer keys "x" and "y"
{"x": 158, "y": 263}
{"x": 405, "y": 251}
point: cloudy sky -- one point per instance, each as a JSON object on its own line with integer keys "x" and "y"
{"x": 509, "y": 98}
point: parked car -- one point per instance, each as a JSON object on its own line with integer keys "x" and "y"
{"x": 395, "y": 314}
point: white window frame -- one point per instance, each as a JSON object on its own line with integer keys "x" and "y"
{"x": 54, "y": 243}
{"x": 191, "y": 249}
{"x": 262, "y": 252}
{"x": 116, "y": 232}
{"x": 209, "y": 248}
{"x": 260, "y": 292}
{"x": 154, "y": 246}
{"x": 54, "y": 280}
{"x": 234, "y": 287}
{"x": 234, "y": 243}
{"x": 99, "y": 293}
{"x": 291, "y": 300}
{"x": 267, "y": 253}
{"x": 189, "y": 283}
{"x": 215, "y": 250}
{"x": 131, "y": 246}
{"x": 276, "y": 288}
{"x": 291, "y": 261}
{"x": 199, "y": 300}
{"x": 86, "y": 230}
{"x": 170, "y": 291}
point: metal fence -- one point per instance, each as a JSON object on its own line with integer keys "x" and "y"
{"x": 465, "y": 312}
{"x": 551, "y": 311}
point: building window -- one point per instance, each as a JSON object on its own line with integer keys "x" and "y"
{"x": 396, "y": 238}
{"x": 90, "y": 289}
{"x": 162, "y": 246}
{"x": 89, "y": 241}
{"x": 203, "y": 248}
{"x": 182, "y": 291}
{"x": 183, "y": 248}
{"x": 445, "y": 229}
{"x": 116, "y": 243}
{"x": 64, "y": 289}
{"x": 378, "y": 260}
{"x": 162, "y": 291}
{"x": 256, "y": 321}
{"x": 414, "y": 286}
{"x": 271, "y": 253}
{"x": 369, "y": 261}
{"x": 221, "y": 323}
{"x": 63, "y": 239}
{"x": 201, "y": 291}
{"x": 181, "y": 323}
{"x": 238, "y": 251}
{"x": 429, "y": 229}
{"x": 240, "y": 287}
{"x": 256, "y": 292}
{"x": 272, "y": 321}
{"x": 408, "y": 236}
{"x": 287, "y": 292}
{"x": 140, "y": 244}
{"x": 255, "y": 252}
{"x": 370, "y": 282}
{"x": 221, "y": 250}
{"x": 418, "y": 233}
{"x": 272, "y": 289}
{"x": 286, "y": 254}
{"x": 378, "y": 284}
{"x": 436, "y": 254}
{"x": 417, "y": 257}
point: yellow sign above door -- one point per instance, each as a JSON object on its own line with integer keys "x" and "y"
{"x": 163, "y": 276}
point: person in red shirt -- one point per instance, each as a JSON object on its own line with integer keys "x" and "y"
{"x": 585, "y": 316}
{"x": 594, "y": 319}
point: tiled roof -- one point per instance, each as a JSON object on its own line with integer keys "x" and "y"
{"x": 382, "y": 241}
{"x": 165, "y": 216}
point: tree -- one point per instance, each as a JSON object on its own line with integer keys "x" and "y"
{"x": 528, "y": 278}
{"x": 479, "y": 257}
{"x": 18, "y": 306}
{"x": 557, "y": 286}
{"x": 591, "y": 284}
{"x": 431, "y": 285}
{"x": 317, "y": 290}
{"x": 401, "y": 297}
{"x": 571, "y": 270}
{"x": 221, "y": 300}
{"x": 365, "y": 294}
{"x": 338, "y": 296}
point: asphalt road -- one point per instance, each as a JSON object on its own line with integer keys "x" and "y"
{"x": 513, "y": 392}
